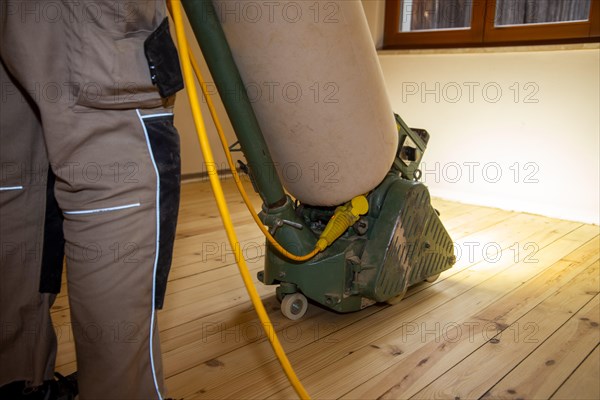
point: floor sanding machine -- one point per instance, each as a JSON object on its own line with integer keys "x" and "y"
{"x": 303, "y": 89}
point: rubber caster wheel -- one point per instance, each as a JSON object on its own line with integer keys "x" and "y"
{"x": 396, "y": 299}
{"x": 294, "y": 306}
{"x": 432, "y": 278}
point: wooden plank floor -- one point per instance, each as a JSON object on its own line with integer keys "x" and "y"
{"x": 516, "y": 317}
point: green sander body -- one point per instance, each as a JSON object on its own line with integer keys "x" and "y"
{"x": 398, "y": 243}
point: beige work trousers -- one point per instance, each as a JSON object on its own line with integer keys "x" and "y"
{"x": 88, "y": 153}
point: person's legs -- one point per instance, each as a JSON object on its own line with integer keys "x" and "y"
{"x": 113, "y": 210}
{"x": 115, "y": 153}
{"x": 27, "y": 340}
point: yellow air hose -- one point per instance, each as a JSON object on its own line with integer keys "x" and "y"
{"x": 222, "y": 205}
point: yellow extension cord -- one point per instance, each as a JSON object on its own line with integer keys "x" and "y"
{"x": 222, "y": 205}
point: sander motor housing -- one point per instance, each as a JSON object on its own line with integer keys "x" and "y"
{"x": 398, "y": 243}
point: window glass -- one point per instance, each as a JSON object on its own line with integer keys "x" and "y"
{"x": 424, "y": 15}
{"x": 525, "y": 12}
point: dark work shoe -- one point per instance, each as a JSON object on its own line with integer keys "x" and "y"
{"x": 11, "y": 390}
{"x": 63, "y": 388}
{"x": 66, "y": 386}
{"x": 21, "y": 390}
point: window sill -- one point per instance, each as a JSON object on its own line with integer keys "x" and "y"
{"x": 493, "y": 49}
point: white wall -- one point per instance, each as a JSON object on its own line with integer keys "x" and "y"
{"x": 529, "y": 114}
{"x": 515, "y": 128}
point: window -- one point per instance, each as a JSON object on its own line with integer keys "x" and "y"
{"x": 452, "y": 23}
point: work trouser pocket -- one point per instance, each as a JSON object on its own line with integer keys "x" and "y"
{"x": 125, "y": 70}
{"x": 114, "y": 72}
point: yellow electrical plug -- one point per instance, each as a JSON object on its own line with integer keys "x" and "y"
{"x": 343, "y": 218}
